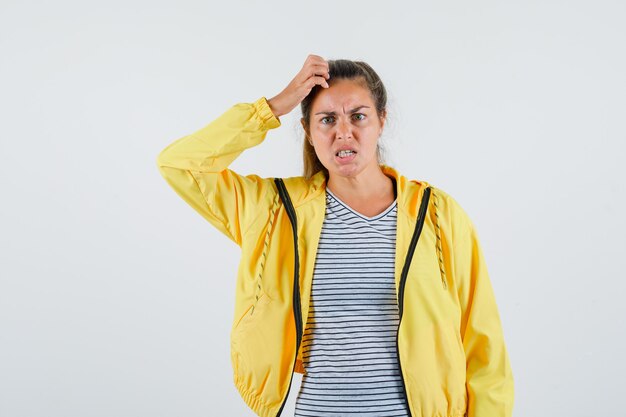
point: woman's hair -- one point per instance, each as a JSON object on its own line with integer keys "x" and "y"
{"x": 342, "y": 69}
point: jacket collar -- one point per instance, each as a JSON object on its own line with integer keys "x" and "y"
{"x": 409, "y": 192}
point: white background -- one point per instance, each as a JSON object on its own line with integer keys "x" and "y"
{"x": 116, "y": 297}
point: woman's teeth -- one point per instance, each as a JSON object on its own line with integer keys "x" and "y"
{"x": 343, "y": 154}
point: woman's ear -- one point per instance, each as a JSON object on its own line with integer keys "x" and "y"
{"x": 306, "y": 132}
{"x": 383, "y": 120}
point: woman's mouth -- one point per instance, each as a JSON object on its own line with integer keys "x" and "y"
{"x": 345, "y": 156}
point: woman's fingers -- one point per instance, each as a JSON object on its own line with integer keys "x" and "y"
{"x": 316, "y": 80}
{"x": 315, "y": 59}
{"x": 315, "y": 71}
{"x": 320, "y": 70}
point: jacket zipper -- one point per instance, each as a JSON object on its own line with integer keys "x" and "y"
{"x": 297, "y": 312}
{"x": 405, "y": 270}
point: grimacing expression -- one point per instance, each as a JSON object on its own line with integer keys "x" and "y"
{"x": 344, "y": 116}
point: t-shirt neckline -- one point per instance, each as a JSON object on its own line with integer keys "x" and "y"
{"x": 369, "y": 219}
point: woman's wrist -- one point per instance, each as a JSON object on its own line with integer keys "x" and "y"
{"x": 275, "y": 107}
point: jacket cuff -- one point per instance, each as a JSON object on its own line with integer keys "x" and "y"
{"x": 264, "y": 112}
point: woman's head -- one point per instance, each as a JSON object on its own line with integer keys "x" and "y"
{"x": 350, "y": 113}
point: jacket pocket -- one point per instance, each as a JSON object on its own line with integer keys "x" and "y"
{"x": 247, "y": 336}
{"x": 243, "y": 316}
{"x": 252, "y": 311}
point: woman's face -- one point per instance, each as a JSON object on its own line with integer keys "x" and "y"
{"x": 343, "y": 116}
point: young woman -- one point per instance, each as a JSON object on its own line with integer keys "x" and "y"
{"x": 371, "y": 285}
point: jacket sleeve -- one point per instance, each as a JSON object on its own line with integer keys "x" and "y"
{"x": 196, "y": 167}
{"x": 489, "y": 377}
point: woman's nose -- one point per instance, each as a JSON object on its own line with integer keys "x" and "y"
{"x": 344, "y": 129}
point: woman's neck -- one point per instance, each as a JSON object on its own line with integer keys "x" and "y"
{"x": 363, "y": 189}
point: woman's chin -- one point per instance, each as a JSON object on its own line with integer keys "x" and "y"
{"x": 348, "y": 170}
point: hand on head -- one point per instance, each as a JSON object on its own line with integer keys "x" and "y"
{"x": 314, "y": 72}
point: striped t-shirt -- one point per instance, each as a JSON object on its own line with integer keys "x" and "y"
{"x": 349, "y": 344}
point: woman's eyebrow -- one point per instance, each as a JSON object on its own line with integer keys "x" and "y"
{"x": 332, "y": 113}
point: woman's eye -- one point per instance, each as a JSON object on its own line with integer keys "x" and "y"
{"x": 330, "y": 119}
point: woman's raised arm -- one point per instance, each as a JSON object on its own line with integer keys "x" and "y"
{"x": 196, "y": 167}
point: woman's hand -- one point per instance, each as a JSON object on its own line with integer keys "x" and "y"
{"x": 313, "y": 72}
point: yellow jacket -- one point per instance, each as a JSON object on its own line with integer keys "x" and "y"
{"x": 451, "y": 348}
